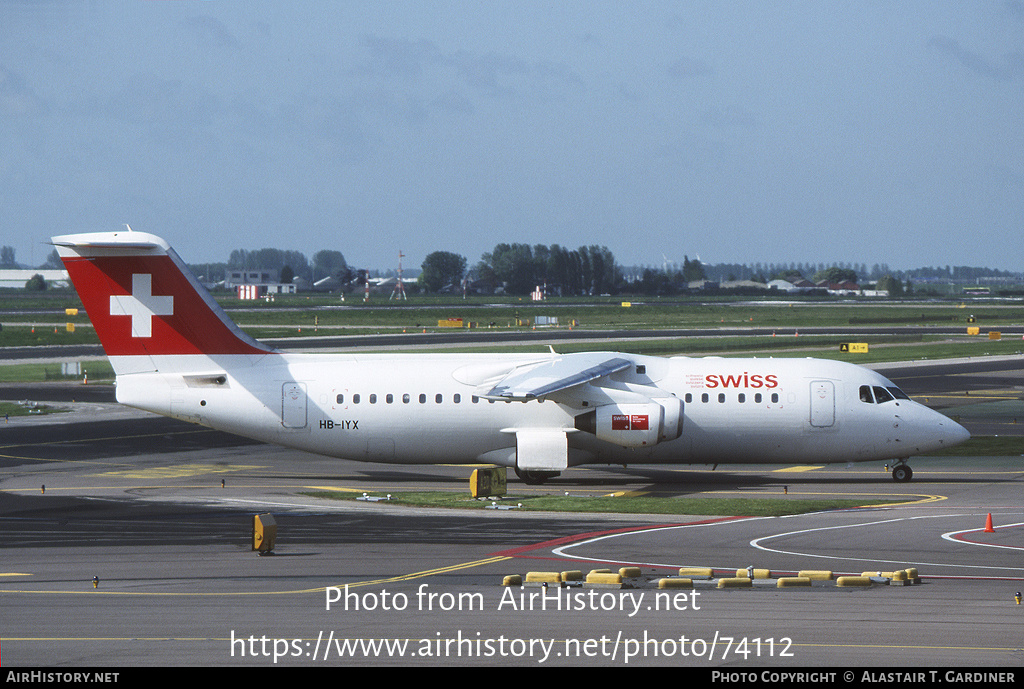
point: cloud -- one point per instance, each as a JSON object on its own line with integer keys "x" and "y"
{"x": 208, "y": 31}
{"x": 396, "y": 58}
{"x": 1012, "y": 67}
{"x": 729, "y": 116}
{"x": 688, "y": 67}
{"x": 16, "y": 99}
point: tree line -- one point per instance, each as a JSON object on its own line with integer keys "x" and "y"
{"x": 518, "y": 269}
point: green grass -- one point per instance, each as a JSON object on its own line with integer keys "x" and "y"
{"x": 609, "y": 313}
{"x": 99, "y": 371}
{"x": 48, "y": 335}
{"x": 289, "y": 313}
{"x": 760, "y": 507}
{"x": 985, "y": 446}
{"x": 910, "y": 348}
{"x": 18, "y": 409}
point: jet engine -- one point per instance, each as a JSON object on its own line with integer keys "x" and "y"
{"x": 635, "y": 425}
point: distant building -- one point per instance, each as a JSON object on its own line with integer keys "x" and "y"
{"x": 16, "y": 277}
{"x": 744, "y": 285}
{"x": 257, "y": 282}
{"x": 840, "y": 288}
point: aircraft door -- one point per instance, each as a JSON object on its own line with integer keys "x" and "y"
{"x": 823, "y": 404}
{"x": 293, "y": 405}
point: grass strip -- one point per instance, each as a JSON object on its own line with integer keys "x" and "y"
{"x": 18, "y": 409}
{"x": 985, "y": 446}
{"x": 752, "y": 507}
{"x": 99, "y": 371}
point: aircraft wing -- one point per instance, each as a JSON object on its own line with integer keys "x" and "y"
{"x": 553, "y": 376}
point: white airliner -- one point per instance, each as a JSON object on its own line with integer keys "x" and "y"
{"x": 175, "y": 352}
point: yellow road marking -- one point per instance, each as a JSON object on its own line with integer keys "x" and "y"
{"x": 180, "y": 471}
{"x": 796, "y": 469}
{"x": 401, "y": 577}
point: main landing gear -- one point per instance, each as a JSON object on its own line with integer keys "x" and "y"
{"x": 533, "y": 477}
{"x": 901, "y": 472}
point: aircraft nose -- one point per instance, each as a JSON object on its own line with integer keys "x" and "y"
{"x": 933, "y": 430}
{"x": 950, "y": 433}
{"x": 955, "y": 433}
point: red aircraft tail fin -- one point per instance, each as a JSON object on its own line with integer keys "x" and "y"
{"x": 144, "y": 301}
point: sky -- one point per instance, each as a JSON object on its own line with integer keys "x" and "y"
{"x": 736, "y": 132}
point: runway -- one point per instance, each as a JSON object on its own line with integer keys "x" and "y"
{"x": 138, "y": 502}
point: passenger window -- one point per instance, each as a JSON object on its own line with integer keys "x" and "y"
{"x": 406, "y": 398}
{"x": 355, "y": 399}
{"x": 423, "y": 398}
{"x": 742, "y": 398}
{"x": 775, "y": 398}
{"x": 704, "y": 397}
{"x": 475, "y": 399}
{"x": 688, "y": 398}
{"x": 390, "y": 398}
{"x": 456, "y": 398}
{"x": 373, "y": 399}
{"x": 757, "y": 397}
{"x": 721, "y": 397}
{"x": 865, "y": 394}
{"x": 438, "y": 398}
{"x": 341, "y": 399}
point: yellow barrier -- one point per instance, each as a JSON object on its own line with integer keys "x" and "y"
{"x": 543, "y": 578}
{"x": 734, "y": 583}
{"x": 675, "y": 583}
{"x": 786, "y": 582}
{"x": 695, "y": 572}
{"x": 487, "y": 482}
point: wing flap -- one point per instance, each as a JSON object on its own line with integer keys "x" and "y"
{"x": 556, "y": 375}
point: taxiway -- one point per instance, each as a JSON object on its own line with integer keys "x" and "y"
{"x": 138, "y": 502}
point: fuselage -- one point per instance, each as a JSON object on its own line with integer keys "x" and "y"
{"x": 428, "y": 408}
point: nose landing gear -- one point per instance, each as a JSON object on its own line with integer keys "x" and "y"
{"x": 901, "y": 472}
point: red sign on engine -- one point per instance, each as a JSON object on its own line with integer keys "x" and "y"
{"x": 630, "y": 422}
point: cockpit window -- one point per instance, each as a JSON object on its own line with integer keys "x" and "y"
{"x": 882, "y": 395}
{"x": 865, "y": 394}
{"x": 897, "y": 393}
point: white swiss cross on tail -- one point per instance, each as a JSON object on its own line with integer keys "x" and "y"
{"x": 141, "y": 305}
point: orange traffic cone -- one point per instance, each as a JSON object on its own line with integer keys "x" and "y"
{"x": 988, "y": 524}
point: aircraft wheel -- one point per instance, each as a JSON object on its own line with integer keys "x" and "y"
{"x": 902, "y": 473}
{"x": 533, "y": 477}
